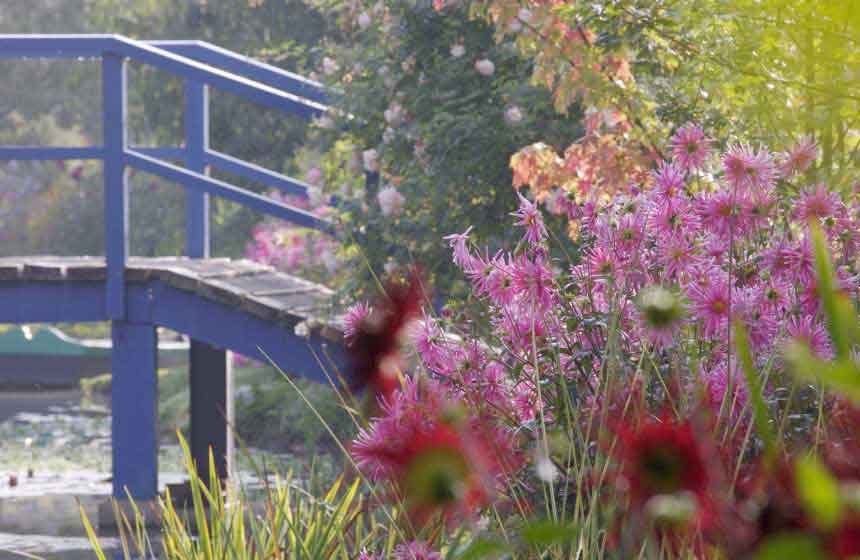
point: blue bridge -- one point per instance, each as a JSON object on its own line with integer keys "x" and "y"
{"x": 220, "y": 304}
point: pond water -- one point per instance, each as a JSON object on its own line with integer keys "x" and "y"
{"x": 55, "y": 455}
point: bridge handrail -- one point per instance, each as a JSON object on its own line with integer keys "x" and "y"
{"x": 201, "y": 65}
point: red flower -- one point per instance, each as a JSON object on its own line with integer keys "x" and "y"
{"x": 443, "y": 469}
{"x": 375, "y": 345}
{"x": 662, "y": 457}
{"x": 845, "y": 541}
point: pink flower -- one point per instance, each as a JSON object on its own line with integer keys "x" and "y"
{"x": 485, "y": 67}
{"x": 314, "y": 176}
{"x": 672, "y": 217}
{"x": 391, "y": 202}
{"x": 774, "y": 295}
{"x": 716, "y": 382}
{"x": 710, "y": 303}
{"x": 817, "y": 203}
{"x": 459, "y": 242}
{"x": 677, "y": 255}
{"x": 533, "y": 281}
{"x": 723, "y": 210}
{"x": 746, "y": 168}
{"x": 416, "y": 550}
{"x": 530, "y": 217}
{"x": 806, "y": 330}
{"x": 800, "y": 157}
{"x": 353, "y": 318}
{"x": 669, "y": 181}
{"x": 690, "y": 147}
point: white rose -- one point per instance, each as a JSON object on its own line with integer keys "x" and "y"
{"x": 371, "y": 160}
{"x": 391, "y": 202}
{"x": 325, "y": 122}
{"x": 388, "y": 135}
{"x": 364, "y": 20}
{"x": 316, "y": 197}
{"x": 485, "y": 67}
{"x": 458, "y": 50}
{"x": 329, "y": 66}
{"x": 394, "y": 114}
{"x": 513, "y": 115}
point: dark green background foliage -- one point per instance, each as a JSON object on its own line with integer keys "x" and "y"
{"x": 459, "y": 115}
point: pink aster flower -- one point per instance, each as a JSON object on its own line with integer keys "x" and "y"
{"x": 600, "y": 263}
{"x": 672, "y": 217}
{"x": 629, "y": 233}
{"x": 749, "y": 169}
{"x": 710, "y": 304}
{"x": 415, "y": 550}
{"x": 800, "y": 157}
{"x": 775, "y": 294}
{"x": 817, "y": 203}
{"x": 533, "y": 281}
{"x": 800, "y": 262}
{"x": 353, "y": 318}
{"x": 669, "y": 181}
{"x": 723, "y": 210}
{"x": 677, "y": 255}
{"x": 806, "y": 330}
{"x": 530, "y": 217}
{"x": 459, "y": 242}
{"x": 716, "y": 381}
{"x": 690, "y": 147}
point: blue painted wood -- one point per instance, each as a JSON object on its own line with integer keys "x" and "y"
{"x": 159, "y": 304}
{"x": 54, "y": 46}
{"x": 173, "y": 154}
{"x": 273, "y": 76}
{"x": 75, "y": 46}
{"x": 257, "y": 173}
{"x": 134, "y": 422}
{"x": 59, "y": 153}
{"x": 243, "y": 87}
{"x": 212, "y": 411}
{"x": 196, "y": 143}
{"x": 202, "y": 183}
{"x": 226, "y": 327}
{"x": 114, "y": 95}
{"x": 52, "y": 302}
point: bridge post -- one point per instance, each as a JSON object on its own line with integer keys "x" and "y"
{"x": 209, "y": 367}
{"x": 114, "y": 123}
{"x": 134, "y": 401}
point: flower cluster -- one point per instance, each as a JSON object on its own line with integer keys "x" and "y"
{"x": 624, "y": 343}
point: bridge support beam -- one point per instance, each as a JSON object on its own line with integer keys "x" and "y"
{"x": 212, "y": 416}
{"x": 134, "y": 401}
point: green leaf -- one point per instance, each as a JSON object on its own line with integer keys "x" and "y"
{"x": 842, "y": 376}
{"x": 842, "y": 320}
{"x": 544, "y": 533}
{"x": 483, "y": 549}
{"x": 784, "y": 546}
{"x": 818, "y": 491}
{"x": 760, "y": 415}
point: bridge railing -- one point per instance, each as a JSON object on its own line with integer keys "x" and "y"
{"x": 201, "y": 66}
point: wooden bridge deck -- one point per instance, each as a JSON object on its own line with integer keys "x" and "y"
{"x": 244, "y": 285}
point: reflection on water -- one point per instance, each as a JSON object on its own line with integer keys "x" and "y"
{"x": 47, "y": 525}
{"x": 66, "y": 443}
{"x": 67, "y": 446}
